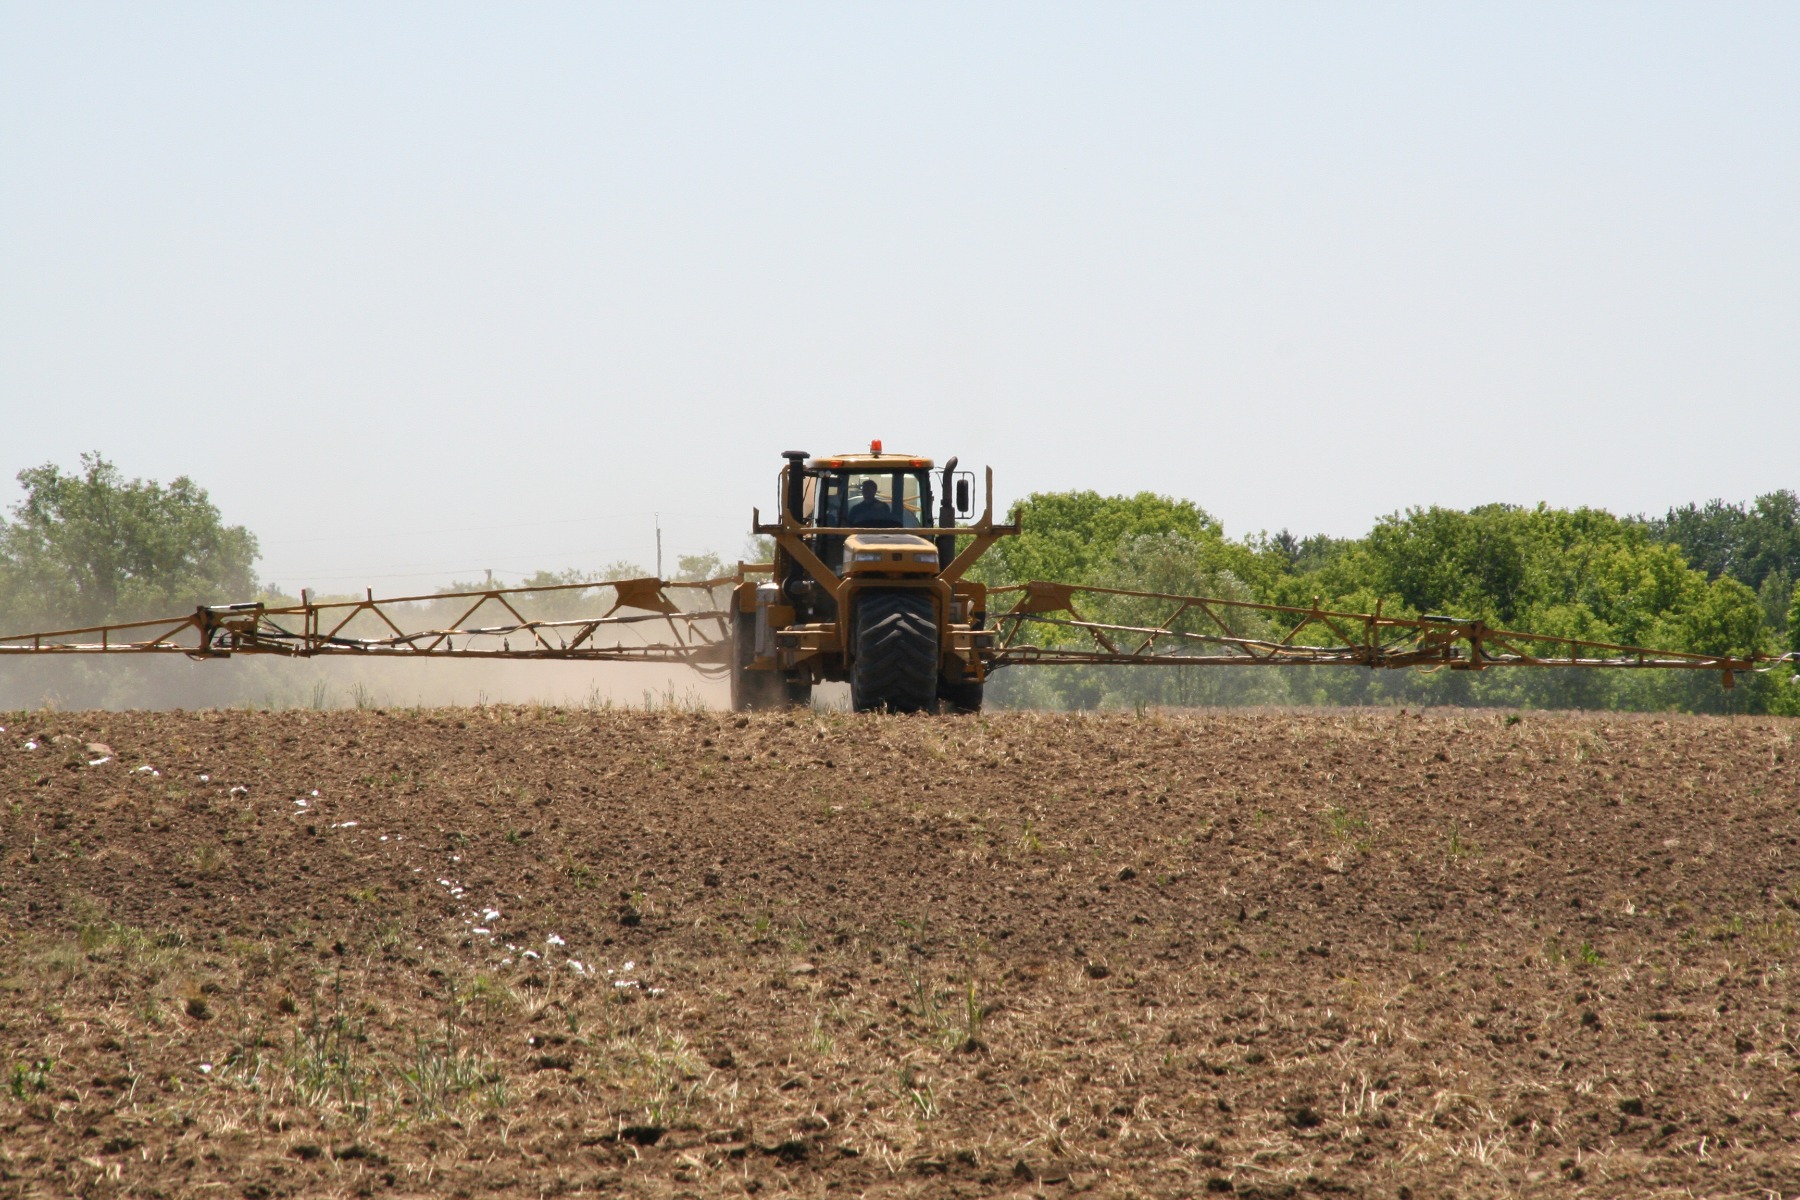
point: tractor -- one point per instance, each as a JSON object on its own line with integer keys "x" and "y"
{"x": 868, "y": 586}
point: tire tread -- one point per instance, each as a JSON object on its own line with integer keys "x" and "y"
{"x": 896, "y": 653}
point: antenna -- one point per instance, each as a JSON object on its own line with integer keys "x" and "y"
{"x": 658, "y": 517}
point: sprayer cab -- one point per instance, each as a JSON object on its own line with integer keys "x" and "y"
{"x": 867, "y": 586}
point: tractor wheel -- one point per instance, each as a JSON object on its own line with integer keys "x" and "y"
{"x": 750, "y": 689}
{"x": 963, "y": 696}
{"x": 896, "y": 664}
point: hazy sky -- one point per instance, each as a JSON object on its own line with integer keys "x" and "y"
{"x": 417, "y": 290}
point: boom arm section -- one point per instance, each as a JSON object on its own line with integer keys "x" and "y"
{"x": 1045, "y": 626}
{"x": 648, "y": 620}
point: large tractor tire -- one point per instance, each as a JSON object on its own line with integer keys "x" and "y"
{"x": 896, "y": 664}
{"x": 751, "y": 689}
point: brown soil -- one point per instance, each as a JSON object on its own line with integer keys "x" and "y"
{"x": 1270, "y": 954}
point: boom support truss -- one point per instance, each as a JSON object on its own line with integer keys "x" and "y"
{"x": 1171, "y": 630}
{"x": 666, "y": 622}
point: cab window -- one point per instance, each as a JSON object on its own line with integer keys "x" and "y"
{"x": 874, "y": 499}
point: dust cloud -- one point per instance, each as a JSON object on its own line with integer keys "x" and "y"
{"x": 157, "y": 682}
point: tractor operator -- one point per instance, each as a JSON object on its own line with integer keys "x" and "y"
{"x": 870, "y": 510}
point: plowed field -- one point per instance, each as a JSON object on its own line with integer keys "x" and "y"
{"x": 523, "y": 952}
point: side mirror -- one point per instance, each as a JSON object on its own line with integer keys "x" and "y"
{"x": 965, "y": 500}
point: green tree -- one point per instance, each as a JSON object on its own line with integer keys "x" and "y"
{"x": 1747, "y": 542}
{"x": 1292, "y": 555}
{"x": 1793, "y": 623}
{"x": 92, "y": 547}
{"x": 1776, "y": 590}
{"x": 692, "y": 568}
{"x": 1727, "y": 619}
{"x": 1787, "y": 698}
{"x": 1439, "y": 560}
{"x": 1075, "y": 537}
